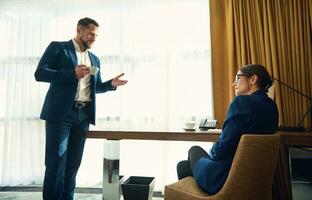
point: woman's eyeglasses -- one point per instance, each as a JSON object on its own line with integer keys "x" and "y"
{"x": 237, "y": 77}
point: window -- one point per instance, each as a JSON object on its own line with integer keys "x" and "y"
{"x": 163, "y": 47}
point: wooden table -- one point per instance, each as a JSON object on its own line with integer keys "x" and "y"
{"x": 111, "y": 181}
{"x": 282, "y": 183}
{"x": 202, "y": 136}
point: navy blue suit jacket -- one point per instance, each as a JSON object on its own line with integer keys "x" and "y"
{"x": 57, "y": 67}
{"x": 255, "y": 113}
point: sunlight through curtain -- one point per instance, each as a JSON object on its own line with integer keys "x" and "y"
{"x": 162, "y": 46}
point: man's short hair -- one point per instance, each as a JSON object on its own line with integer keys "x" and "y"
{"x": 85, "y": 22}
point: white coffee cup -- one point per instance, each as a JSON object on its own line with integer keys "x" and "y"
{"x": 190, "y": 125}
{"x": 93, "y": 70}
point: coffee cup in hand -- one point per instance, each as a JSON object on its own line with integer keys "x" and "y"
{"x": 93, "y": 70}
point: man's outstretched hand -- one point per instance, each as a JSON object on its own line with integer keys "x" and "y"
{"x": 117, "y": 81}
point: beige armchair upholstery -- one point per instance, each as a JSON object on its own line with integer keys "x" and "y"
{"x": 250, "y": 178}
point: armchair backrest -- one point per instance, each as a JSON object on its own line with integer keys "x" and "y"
{"x": 250, "y": 178}
{"x": 252, "y": 171}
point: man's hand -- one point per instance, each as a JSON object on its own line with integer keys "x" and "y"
{"x": 82, "y": 71}
{"x": 118, "y": 82}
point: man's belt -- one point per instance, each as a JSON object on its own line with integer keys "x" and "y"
{"x": 80, "y": 104}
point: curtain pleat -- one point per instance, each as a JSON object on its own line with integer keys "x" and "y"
{"x": 276, "y": 34}
{"x": 221, "y": 56}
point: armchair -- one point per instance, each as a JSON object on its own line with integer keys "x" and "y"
{"x": 250, "y": 177}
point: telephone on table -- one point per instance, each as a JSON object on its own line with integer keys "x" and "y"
{"x": 206, "y": 124}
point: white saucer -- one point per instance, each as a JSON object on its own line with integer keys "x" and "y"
{"x": 189, "y": 129}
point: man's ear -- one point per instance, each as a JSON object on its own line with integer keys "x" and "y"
{"x": 254, "y": 79}
{"x": 79, "y": 30}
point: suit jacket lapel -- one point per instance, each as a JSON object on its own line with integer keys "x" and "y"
{"x": 72, "y": 53}
{"x": 93, "y": 63}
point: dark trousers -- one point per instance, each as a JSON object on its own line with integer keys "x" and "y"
{"x": 64, "y": 148}
{"x": 185, "y": 167}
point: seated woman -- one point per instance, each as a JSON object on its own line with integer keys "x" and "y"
{"x": 251, "y": 111}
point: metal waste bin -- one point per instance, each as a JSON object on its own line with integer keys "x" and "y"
{"x": 138, "y": 188}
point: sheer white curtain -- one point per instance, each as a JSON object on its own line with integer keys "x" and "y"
{"x": 163, "y": 46}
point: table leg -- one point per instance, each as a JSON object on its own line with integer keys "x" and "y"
{"x": 282, "y": 181}
{"x": 111, "y": 178}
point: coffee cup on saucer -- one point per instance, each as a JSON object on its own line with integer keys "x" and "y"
{"x": 93, "y": 70}
{"x": 189, "y": 125}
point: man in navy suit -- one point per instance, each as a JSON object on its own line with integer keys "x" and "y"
{"x": 251, "y": 111}
{"x": 69, "y": 106}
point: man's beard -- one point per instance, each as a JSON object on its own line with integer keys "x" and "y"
{"x": 84, "y": 44}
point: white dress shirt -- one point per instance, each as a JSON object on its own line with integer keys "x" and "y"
{"x": 83, "y": 89}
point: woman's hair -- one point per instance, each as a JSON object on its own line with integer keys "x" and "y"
{"x": 264, "y": 79}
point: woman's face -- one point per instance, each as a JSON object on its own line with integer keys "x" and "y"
{"x": 242, "y": 84}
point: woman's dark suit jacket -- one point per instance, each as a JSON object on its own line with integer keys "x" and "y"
{"x": 255, "y": 113}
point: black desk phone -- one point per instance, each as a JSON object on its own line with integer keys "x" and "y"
{"x": 206, "y": 124}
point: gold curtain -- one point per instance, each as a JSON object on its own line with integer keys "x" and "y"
{"x": 276, "y": 34}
